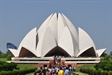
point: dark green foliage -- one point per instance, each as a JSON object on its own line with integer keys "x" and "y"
{"x": 110, "y": 73}
{"x": 106, "y": 57}
{"x": 110, "y": 53}
{"x": 102, "y": 68}
{"x": 4, "y": 55}
{"x": 18, "y": 72}
{"x": 8, "y": 57}
{"x": 104, "y": 54}
{"x": 95, "y": 72}
{"x": 4, "y": 66}
{"x": 104, "y": 65}
{"x": 98, "y": 72}
{"x": 104, "y": 73}
{"x": 11, "y": 69}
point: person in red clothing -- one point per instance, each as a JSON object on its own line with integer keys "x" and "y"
{"x": 49, "y": 73}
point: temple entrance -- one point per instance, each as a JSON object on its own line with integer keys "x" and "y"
{"x": 58, "y": 51}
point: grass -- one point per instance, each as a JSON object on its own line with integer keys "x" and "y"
{"x": 23, "y": 66}
{"x": 3, "y": 59}
{"x": 86, "y": 66}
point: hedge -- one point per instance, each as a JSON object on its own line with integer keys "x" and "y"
{"x": 4, "y": 66}
{"x": 105, "y": 65}
{"x": 18, "y": 72}
{"x": 95, "y": 72}
{"x": 110, "y": 73}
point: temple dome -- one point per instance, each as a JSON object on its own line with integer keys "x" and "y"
{"x": 56, "y": 36}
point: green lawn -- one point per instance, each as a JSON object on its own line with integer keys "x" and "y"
{"x": 3, "y": 59}
{"x": 22, "y": 66}
{"x": 85, "y": 66}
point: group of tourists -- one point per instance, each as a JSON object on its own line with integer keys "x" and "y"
{"x": 54, "y": 70}
{"x": 57, "y": 70}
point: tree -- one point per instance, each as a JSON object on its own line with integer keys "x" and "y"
{"x": 8, "y": 57}
{"x": 105, "y": 65}
{"x": 104, "y": 54}
{"x": 8, "y": 53}
{"x": 0, "y": 52}
{"x": 106, "y": 57}
{"x": 4, "y": 55}
{"x": 110, "y": 53}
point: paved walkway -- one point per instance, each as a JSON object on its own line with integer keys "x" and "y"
{"x": 79, "y": 73}
{"x": 75, "y": 72}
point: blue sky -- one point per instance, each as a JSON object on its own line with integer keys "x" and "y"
{"x": 18, "y": 17}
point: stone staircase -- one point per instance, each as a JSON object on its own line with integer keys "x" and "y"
{"x": 53, "y": 64}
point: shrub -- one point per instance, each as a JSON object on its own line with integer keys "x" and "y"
{"x": 9, "y": 57}
{"x": 18, "y": 72}
{"x": 98, "y": 72}
{"x": 104, "y": 65}
{"x": 104, "y": 73}
{"x": 110, "y": 73}
{"x": 4, "y": 66}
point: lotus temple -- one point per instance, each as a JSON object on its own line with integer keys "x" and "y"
{"x": 57, "y": 36}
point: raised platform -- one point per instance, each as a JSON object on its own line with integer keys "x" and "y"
{"x": 33, "y": 60}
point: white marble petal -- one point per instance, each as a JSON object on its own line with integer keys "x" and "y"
{"x": 66, "y": 42}
{"x": 48, "y": 42}
{"x": 100, "y": 51}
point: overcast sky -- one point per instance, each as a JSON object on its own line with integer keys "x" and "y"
{"x": 18, "y": 17}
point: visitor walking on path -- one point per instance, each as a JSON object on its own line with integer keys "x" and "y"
{"x": 79, "y": 73}
{"x": 61, "y": 72}
{"x": 67, "y": 72}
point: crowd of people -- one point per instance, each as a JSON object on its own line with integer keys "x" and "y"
{"x": 55, "y": 70}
